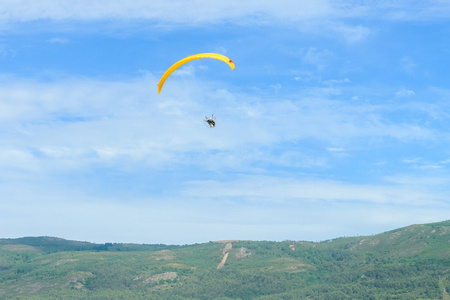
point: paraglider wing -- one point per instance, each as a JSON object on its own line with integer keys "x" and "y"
{"x": 190, "y": 58}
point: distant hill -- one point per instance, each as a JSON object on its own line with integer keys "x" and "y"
{"x": 53, "y": 244}
{"x": 407, "y": 263}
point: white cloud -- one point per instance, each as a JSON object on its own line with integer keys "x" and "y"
{"x": 11, "y": 157}
{"x": 408, "y": 65}
{"x": 274, "y": 189}
{"x": 405, "y": 10}
{"x": 412, "y": 160}
{"x": 405, "y": 93}
{"x": 204, "y": 213}
{"x": 75, "y": 123}
{"x": 6, "y": 51}
{"x": 276, "y": 87}
{"x": 433, "y": 182}
{"x": 429, "y": 167}
{"x": 202, "y": 11}
{"x": 318, "y": 58}
{"x": 334, "y": 149}
{"x": 420, "y": 163}
{"x": 323, "y": 17}
{"x": 198, "y": 11}
{"x": 339, "y": 121}
{"x": 336, "y": 81}
{"x": 56, "y": 40}
{"x": 352, "y": 34}
{"x": 185, "y": 71}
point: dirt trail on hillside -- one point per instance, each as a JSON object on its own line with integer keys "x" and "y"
{"x": 227, "y": 248}
{"x": 225, "y": 252}
{"x": 222, "y": 263}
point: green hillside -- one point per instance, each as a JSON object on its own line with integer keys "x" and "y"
{"x": 406, "y": 263}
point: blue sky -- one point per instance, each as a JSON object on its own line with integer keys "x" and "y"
{"x": 334, "y": 122}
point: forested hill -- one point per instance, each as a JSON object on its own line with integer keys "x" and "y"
{"x": 53, "y": 244}
{"x": 407, "y": 263}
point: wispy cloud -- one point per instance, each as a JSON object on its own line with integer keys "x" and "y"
{"x": 286, "y": 208}
{"x": 201, "y": 11}
{"x": 408, "y": 65}
{"x": 56, "y": 40}
{"x": 318, "y": 58}
{"x": 334, "y": 149}
{"x": 93, "y": 121}
{"x": 352, "y": 34}
{"x": 190, "y": 220}
{"x": 6, "y": 51}
{"x": 198, "y": 11}
{"x": 405, "y": 93}
{"x": 287, "y": 189}
{"x": 185, "y": 71}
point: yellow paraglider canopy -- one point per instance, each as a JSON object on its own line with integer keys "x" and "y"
{"x": 188, "y": 59}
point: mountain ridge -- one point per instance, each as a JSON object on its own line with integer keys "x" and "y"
{"x": 50, "y": 240}
{"x": 403, "y": 263}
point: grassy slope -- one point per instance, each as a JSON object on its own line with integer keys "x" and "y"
{"x": 410, "y": 262}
